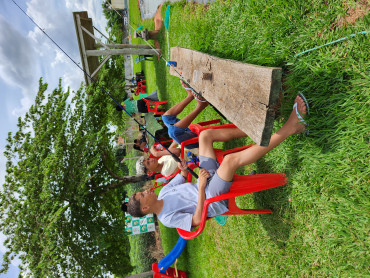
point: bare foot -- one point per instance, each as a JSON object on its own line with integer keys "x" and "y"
{"x": 188, "y": 90}
{"x": 201, "y": 102}
{"x": 199, "y": 98}
{"x": 294, "y": 123}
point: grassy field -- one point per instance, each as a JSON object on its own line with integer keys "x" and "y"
{"x": 320, "y": 224}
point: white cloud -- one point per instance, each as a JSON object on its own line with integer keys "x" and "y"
{"x": 17, "y": 65}
{"x": 26, "y": 103}
{"x": 72, "y": 79}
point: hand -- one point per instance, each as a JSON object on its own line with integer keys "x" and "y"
{"x": 182, "y": 165}
{"x": 153, "y": 150}
{"x": 203, "y": 176}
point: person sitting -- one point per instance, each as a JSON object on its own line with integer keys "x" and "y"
{"x": 141, "y": 144}
{"x": 137, "y": 106}
{"x": 178, "y": 129}
{"x": 163, "y": 162}
{"x": 180, "y": 204}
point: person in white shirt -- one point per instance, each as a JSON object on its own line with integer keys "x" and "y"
{"x": 180, "y": 204}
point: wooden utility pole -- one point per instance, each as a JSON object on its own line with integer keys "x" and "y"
{"x": 88, "y": 44}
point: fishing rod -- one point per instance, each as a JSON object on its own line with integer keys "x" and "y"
{"x": 177, "y": 159}
{"x": 174, "y": 68}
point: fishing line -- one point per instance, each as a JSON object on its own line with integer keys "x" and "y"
{"x": 107, "y": 93}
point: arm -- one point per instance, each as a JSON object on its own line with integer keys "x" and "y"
{"x": 183, "y": 168}
{"x": 197, "y": 217}
{"x": 172, "y": 148}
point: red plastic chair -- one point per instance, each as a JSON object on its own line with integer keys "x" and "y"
{"x": 141, "y": 85}
{"x": 241, "y": 185}
{"x": 170, "y": 272}
{"x": 199, "y": 127}
{"x": 150, "y": 103}
{"x": 139, "y": 91}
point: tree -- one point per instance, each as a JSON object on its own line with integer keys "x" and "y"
{"x": 60, "y": 200}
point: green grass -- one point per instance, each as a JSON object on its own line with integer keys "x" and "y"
{"x": 320, "y": 224}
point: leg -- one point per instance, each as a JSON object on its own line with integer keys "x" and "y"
{"x": 233, "y": 161}
{"x": 207, "y": 137}
{"x": 188, "y": 119}
{"x": 178, "y": 108}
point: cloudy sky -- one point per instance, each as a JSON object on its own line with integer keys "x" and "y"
{"x": 26, "y": 54}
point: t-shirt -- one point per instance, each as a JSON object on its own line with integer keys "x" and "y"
{"x": 179, "y": 203}
{"x": 131, "y": 106}
{"x": 169, "y": 165}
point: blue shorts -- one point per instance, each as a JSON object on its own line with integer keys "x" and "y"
{"x": 179, "y": 134}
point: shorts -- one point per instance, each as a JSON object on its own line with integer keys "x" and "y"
{"x": 179, "y": 134}
{"x": 215, "y": 185}
{"x": 141, "y": 106}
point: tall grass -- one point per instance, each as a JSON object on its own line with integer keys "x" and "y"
{"x": 320, "y": 224}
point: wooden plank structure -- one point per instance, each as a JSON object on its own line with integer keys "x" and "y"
{"x": 247, "y": 95}
{"x": 89, "y": 63}
{"x": 89, "y": 46}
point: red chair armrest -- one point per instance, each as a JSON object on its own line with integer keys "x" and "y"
{"x": 209, "y": 122}
{"x": 193, "y": 234}
{"x": 187, "y": 142}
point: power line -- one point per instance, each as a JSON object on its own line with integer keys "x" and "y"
{"x": 101, "y": 88}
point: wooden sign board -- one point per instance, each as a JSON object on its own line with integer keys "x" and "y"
{"x": 247, "y": 95}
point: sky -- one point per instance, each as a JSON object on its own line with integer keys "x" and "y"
{"x": 26, "y": 54}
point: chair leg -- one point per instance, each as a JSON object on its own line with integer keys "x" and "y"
{"x": 235, "y": 210}
{"x": 249, "y": 211}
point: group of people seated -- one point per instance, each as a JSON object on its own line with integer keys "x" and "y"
{"x": 135, "y": 106}
{"x": 180, "y": 203}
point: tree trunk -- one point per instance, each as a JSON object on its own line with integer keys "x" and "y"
{"x": 123, "y": 181}
{"x": 134, "y": 157}
{"x": 144, "y": 274}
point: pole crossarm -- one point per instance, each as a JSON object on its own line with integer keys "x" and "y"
{"x": 88, "y": 45}
{"x": 126, "y": 51}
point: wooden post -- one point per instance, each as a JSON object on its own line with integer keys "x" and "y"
{"x": 125, "y": 51}
{"x": 121, "y": 46}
